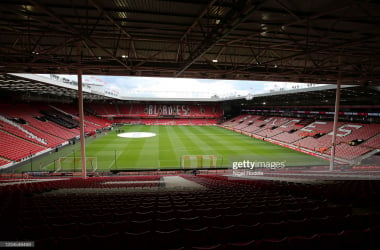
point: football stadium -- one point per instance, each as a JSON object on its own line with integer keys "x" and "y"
{"x": 220, "y": 124}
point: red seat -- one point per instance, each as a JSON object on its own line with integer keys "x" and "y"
{"x": 140, "y": 240}
{"x": 104, "y": 241}
{"x": 166, "y": 224}
{"x": 212, "y": 247}
{"x": 221, "y": 234}
{"x": 303, "y": 242}
{"x": 272, "y": 244}
{"x": 274, "y": 229}
{"x": 240, "y": 245}
{"x": 244, "y": 233}
{"x": 359, "y": 239}
{"x": 140, "y": 226}
{"x": 168, "y": 239}
{"x": 330, "y": 241}
{"x": 196, "y": 237}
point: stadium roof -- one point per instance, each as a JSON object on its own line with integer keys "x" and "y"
{"x": 320, "y": 96}
{"x": 277, "y": 40}
{"x": 33, "y": 86}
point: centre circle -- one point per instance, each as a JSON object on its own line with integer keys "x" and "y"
{"x": 137, "y": 135}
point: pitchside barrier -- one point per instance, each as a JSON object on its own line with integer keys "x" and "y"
{"x": 74, "y": 164}
{"x": 198, "y": 161}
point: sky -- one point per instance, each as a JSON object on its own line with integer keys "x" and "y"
{"x": 160, "y": 87}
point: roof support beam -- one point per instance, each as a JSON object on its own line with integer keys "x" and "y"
{"x": 101, "y": 10}
{"x": 196, "y": 21}
{"x": 185, "y": 36}
{"x": 296, "y": 22}
{"x": 77, "y": 32}
{"x": 241, "y": 11}
{"x": 326, "y": 48}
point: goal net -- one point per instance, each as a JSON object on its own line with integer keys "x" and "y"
{"x": 198, "y": 161}
{"x": 74, "y": 164}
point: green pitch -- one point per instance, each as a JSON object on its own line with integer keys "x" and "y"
{"x": 164, "y": 151}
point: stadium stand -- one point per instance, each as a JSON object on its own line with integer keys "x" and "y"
{"x": 25, "y": 126}
{"x": 260, "y": 123}
{"x": 349, "y": 152}
{"x": 51, "y": 125}
{"x": 161, "y": 114}
{"x": 51, "y": 140}
{"x": 30, "y": 113}
{"x": 51, "y": 128}
{"x": 68, "y": 108}
{"x": 184, "y": 121}
{"x": 353, "y": 131}
{"x": 288, "y": 137}
{"x": 245, "y": 122}
{"x": 92, "y": 123}
{"x": 229, "y": 214}
{"x": 19, "y": 131}
{"x": 111, "y": 109}
{"x": 125, "y": 108}
{"x": 119, "y": 120}
{"x": 279, "y": 125}
{"x": 311, "y": 134}
{"x": 198, "y": 122}
{"x": 329, "y": 47}
{"x": 373, "y": 142}
{"x": 211, "y": 121}
{"x": 149, "y": 121}
{"x": 237, "y": 120}
{"x": 98, "y": 108}
{"x": 98, "y": 122}
{"x": 346, "y": 133}
{"x": 60, "y": 119}
{"x": 137, "y": 110}
{"x": 20, "y": 149}
{"x": 303, "y": 131}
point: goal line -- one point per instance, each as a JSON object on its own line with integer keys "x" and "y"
{"x": 74, "y": 164}
{"x": 198, "y": 161}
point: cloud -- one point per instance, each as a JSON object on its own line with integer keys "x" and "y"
{"x": 161, "y": 87}
{"x": 177, "y": 87}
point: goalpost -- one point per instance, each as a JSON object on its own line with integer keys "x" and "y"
{"x": 74, "y": 164}
{"x": 198, "y": 161}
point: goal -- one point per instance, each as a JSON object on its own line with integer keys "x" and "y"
{"x": 74, "y": 164}
{"x": 198, "y": 161}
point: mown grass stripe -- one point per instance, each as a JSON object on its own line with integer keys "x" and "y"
{"x": 195, "y": 145}
{"x": 171, "y": 142}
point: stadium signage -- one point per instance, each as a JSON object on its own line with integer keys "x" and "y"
{"x": 171, "y": 110}
{"x": 346, "y": 130}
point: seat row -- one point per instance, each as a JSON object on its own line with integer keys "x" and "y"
{"x": 207, "y": 239}
{"x": 244, "y": 230}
